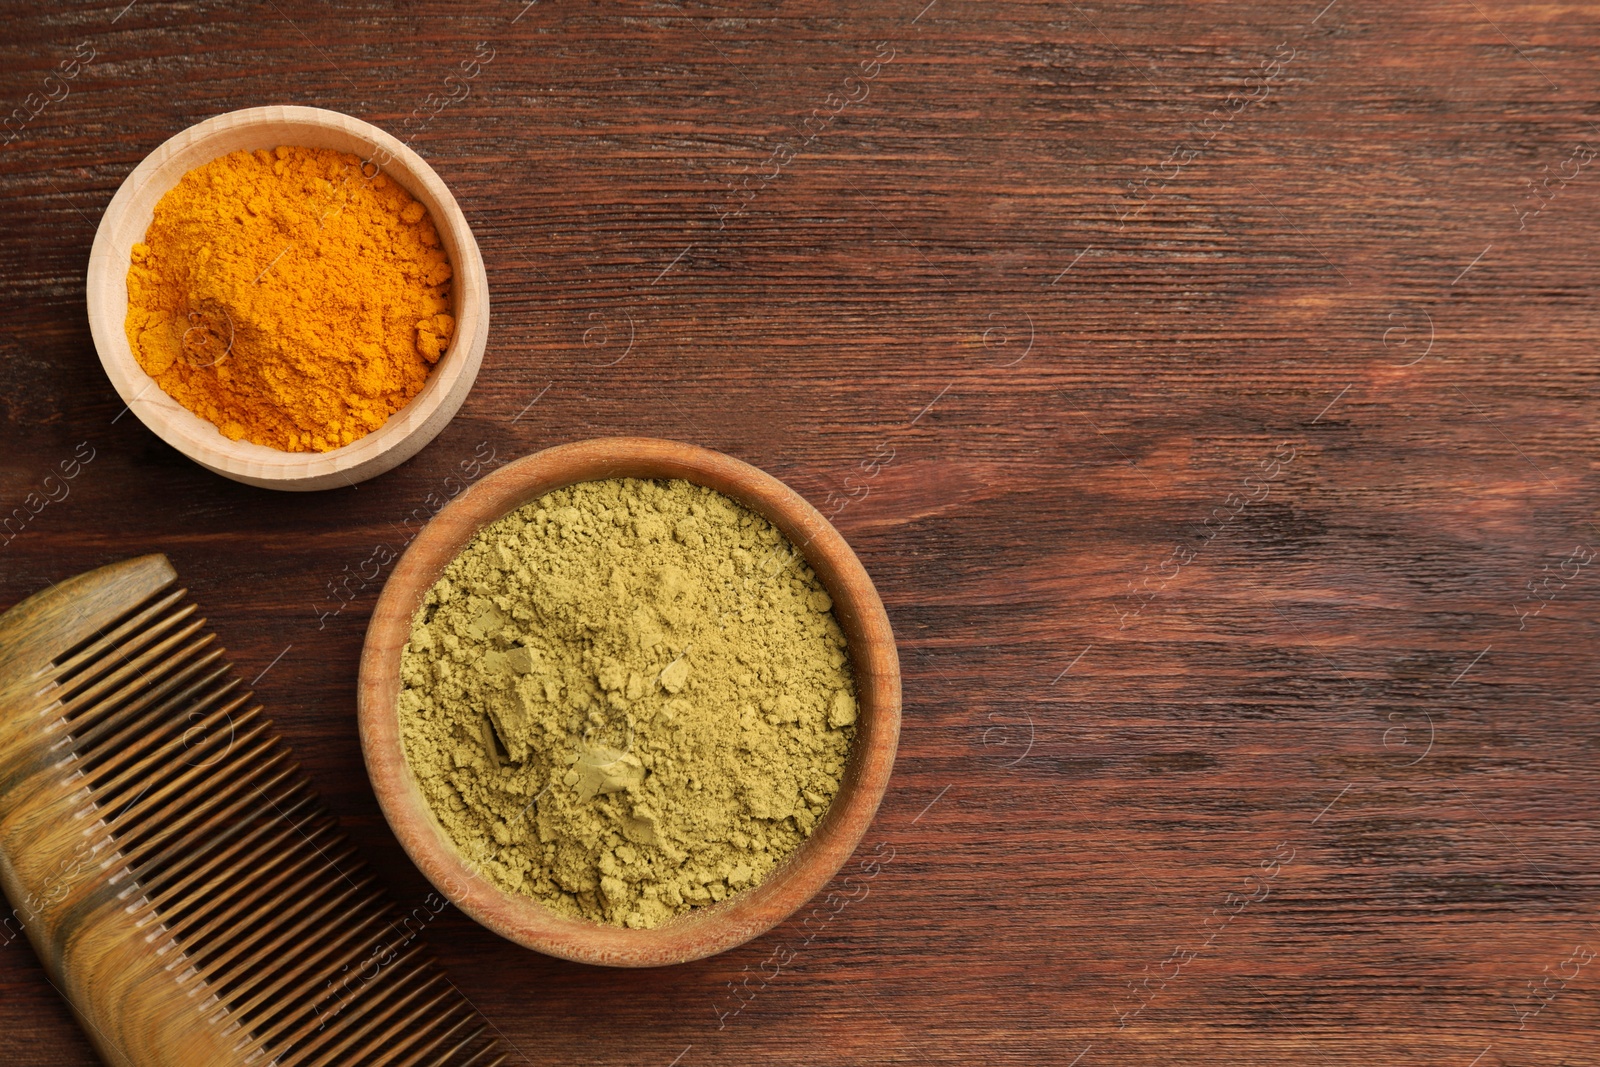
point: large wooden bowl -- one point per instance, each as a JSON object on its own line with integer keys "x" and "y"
{"x": 705, "y": 931}
{"x": 128, "y": 217}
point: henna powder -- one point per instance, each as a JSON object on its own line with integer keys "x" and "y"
{"x": 627, "y": 699}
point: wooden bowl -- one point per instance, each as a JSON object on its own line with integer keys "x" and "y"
{"x": 704, "y": 931}
{"x": 128, "y": 217}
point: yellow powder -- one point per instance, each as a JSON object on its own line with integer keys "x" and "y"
{"x": 289, "y": 298}
{"x": 627, "y": 699}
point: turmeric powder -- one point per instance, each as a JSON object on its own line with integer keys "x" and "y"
{"x": 289, "y": 298}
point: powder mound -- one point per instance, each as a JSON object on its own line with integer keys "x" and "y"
{"x": 627, "y": 699}
{"x": 289, "y": 297}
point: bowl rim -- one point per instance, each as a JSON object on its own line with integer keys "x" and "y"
{"x": 704, "y": 931}
{"x": 407, "y": 430}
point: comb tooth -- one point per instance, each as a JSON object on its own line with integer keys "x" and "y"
{"x": 242, "y": 949}
{"x": 435, "y": 1040}
{"x": 370, "y": 938}
{"x": 105, "y": 768}
{"x": 88, "y": 739}
{"x": 133, "y": 737}
{"x": 164, "y": 864}
{"x": 356, "y": 930}
{"x": 155, "y": 870}
{"x": 181, "y": 890}
{"x": 159, "y": 770}
{"x": 114, "y": 691}
{"x": 376, "y": 1037}
{"x": 295, "y": 1044}
{"x": 144, "y": 834}
{"x": 172, "y": 855}
{"x": 283, "y": 836}
{"x": 194, "y": 909}
{"x": 262, "y": 882}
{"x": 162, "y": 783}
{"x": 297, "y": 983}
{"x": 404, "y": 974}
{"x": 461, "y": 1014}
{"x": 388, "y": 1028}
{"x": 295, "y": 789}
{"x": 93, "y": 648}
{"x": 350, "y": 1019}
{"x": 487, "y": 1050}
{"x": 151, "y": 749}
{"x": 268, "y": 1019}
{"x": 142, "y": 666}
{"x": 227, "y": 969}
{"x": 470, "y": 1039}
{"x": 204, "y": 917}
{"x": 200, "y": 906}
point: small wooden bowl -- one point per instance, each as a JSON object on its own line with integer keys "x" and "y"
{"x": 704, "y": 931}
{"x": 128, "y": 217}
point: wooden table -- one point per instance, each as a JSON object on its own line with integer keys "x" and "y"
{"x": 1209, "y": 389}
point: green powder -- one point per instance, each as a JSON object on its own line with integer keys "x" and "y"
{"x": 627, "y": 699}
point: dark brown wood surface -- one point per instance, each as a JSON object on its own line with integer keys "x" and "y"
{"x": 1208, "y": 387}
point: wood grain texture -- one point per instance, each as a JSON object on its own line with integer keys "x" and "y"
{"x": 1318, "y": 784}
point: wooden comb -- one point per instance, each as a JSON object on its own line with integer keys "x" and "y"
{"x": 182, "y": 885}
